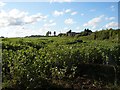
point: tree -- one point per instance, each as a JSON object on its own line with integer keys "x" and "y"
{"x": 54, "y": 33}
{"x": 2, "y": 37}
{"x": 50, "y": 33}
{"x": 85, "y": 29}
{"x": 69, "y": 31}
{"x": 47, "y": 34}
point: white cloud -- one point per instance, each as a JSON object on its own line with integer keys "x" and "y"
{"x": 34, "y": 18}
{"x": 22, "y": 31}
{"x": 94, "y": 22}
{"x": 82, "y": 14}
{"x": 69, "y": 21}
{"x": 17, "y": 31}
{"x": 15, "y": 13}
{"x": 78, "y": 28}
{"x": 112, "y": 25}
{"x": 67, "y": 10}
{"x": 17, "y": 17}
{"x": 112, "y": 8}
{"x": 62, "y": 12}
{"x": 60, "y": 1}
{"x": 58, "y": 13}
{"x": 2, "y": 4}
{"x": 50, "y": 21}
{"x": 49, "y": 24}
{"x": 110, "y": 18}
{"x": 73, "y": 13}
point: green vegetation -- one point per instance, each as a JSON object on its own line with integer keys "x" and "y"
{"x": 109, "y": 34}
{"x": 62, "y": 62}
{"x": 0, "y": 63}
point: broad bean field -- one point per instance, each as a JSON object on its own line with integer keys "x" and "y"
{"x": 60, "y": 62}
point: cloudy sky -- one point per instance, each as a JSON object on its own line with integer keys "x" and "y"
{"x": 18, "y": 19}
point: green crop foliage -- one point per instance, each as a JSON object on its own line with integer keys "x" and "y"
{"x": 30, "y": 63}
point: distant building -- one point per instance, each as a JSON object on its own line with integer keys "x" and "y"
{"x": 70, "y": 33}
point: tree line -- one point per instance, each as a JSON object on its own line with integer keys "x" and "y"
{"x": 49, "y": 33}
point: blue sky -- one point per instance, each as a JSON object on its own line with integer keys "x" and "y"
{"x": 19, "y": 19}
